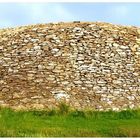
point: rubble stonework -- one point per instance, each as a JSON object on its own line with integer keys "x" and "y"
{"x": 86, "y": 64}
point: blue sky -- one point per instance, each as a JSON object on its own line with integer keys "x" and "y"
{"x": 16, "y": 14}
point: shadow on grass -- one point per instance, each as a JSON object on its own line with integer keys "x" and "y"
{"x": 124, "y": 132}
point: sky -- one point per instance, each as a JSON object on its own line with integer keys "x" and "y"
{"x": 17, "y": 14}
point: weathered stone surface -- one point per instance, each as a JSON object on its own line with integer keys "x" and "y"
{"x": 88, "y": 65}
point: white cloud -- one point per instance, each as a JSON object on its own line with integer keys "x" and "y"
{"x": 32, "y": 13}
{"x": 37, "y": 12}
{"x": 61, "y": 12}
{"x": 120, "y": 11}
{"x": 48, "y": 13}
{"x": 118, "y": 14}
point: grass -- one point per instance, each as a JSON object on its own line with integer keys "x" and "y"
{"x": 69, "y": 123}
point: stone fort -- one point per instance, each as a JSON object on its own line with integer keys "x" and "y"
{"x": 88, "y": 65}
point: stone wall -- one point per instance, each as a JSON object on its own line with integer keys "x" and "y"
{"x": 87, "y": 65}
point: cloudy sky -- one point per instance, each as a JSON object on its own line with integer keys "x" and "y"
{"x": 16, "y": 14}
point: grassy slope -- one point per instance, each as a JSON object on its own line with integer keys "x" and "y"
{"x": 64, "y": 123}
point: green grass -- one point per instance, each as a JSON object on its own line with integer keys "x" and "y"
{"x": 66, "y": 123}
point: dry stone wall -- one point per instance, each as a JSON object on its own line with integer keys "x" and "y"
{"x": 87, "y": 65}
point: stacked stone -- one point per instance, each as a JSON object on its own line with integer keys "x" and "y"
{"x": 87, "y": 65}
